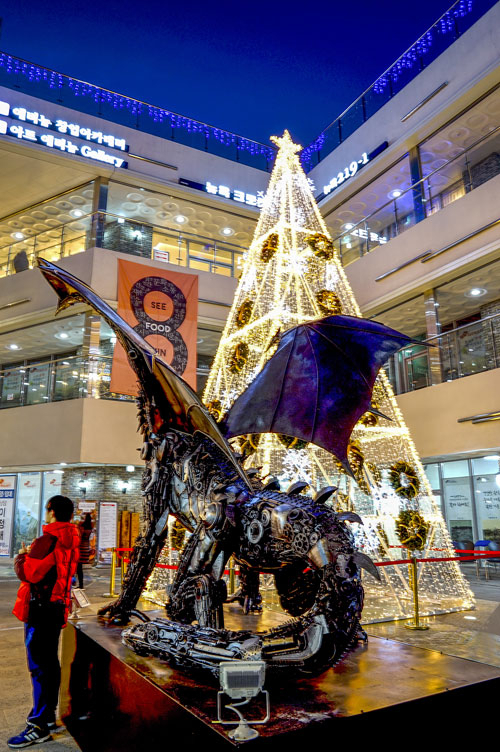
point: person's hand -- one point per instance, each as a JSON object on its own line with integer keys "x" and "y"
{"x": 23, "y": 549}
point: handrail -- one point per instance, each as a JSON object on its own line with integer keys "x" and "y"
{"x": 416, "y": 49}
{"x": 104, "y": 94}
{"x": 417, "y": 183}
{"x": 464, "y": 326}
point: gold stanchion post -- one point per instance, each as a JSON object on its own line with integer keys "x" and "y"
{"x": 231, "y": 576}
{"x": 415, "y": 623}
{"x": 112, "y": 576}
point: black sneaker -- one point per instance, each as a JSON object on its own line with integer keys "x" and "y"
{"x": 31, "y": 735}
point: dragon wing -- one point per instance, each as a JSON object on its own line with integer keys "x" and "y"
{"x": 179, "y": 406}
{"x": 318, "y": 383}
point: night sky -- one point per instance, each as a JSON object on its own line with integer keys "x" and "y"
{"x": 251, "y": 68}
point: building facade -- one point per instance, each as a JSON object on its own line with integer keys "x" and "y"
{"x": 407, "y": 180}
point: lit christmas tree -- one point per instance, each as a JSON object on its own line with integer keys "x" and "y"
{"x": 292, "y": 274}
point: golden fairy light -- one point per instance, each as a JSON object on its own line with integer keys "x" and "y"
{"x": 292, "y": 274}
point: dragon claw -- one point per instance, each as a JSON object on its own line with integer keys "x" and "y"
{"x": 115, "y": 613}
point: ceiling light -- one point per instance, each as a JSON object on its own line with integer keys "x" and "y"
{"x": 63, "y": 463}
{"x": 492, "y": 457}
{"x": 395, "y": 194}
{"x": 180, "y": 219}
{"x": 476, "y": 292}
{"x": 348, "y": 226}
{"x": 18, "y": 235}
{"x": 13, "y": 347}
{"x": 130, "y": 468}
{"x": 62, "y": 335}
{"x": 120, "y": 220}
{"x": 77, "y": 213}
{"x": 227, "y": 231}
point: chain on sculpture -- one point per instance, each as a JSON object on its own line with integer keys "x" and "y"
{"x": 292, "y": 274}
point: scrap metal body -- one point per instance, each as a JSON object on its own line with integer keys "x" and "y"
{"x": 192, "y": 474}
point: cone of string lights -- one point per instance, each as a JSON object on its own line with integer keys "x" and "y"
{"x": 292, "y": 274}
{"x": 163, "y": 574}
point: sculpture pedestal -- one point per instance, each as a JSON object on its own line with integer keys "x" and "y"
{"x": 113, "y": 700}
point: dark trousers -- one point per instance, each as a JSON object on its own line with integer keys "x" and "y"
{"x": 42, "y": 641}
{"x": 79, "y": 574}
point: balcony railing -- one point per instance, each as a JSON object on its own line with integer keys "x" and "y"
{"x": 66, "y": 378}
{"x": 441, "y": 187}
{"x": 47, "y": 84}
{"x": 464, "y": 351}
{"x": 441, "y": 35}
{"x": 72, "y": 377}
{"x": 125, "y": 235}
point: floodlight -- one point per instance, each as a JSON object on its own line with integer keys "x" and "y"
{"x": 242, "y": 680}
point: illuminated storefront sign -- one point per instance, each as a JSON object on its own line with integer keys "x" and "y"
{"x": 352, "y": 168}
{"x": 91, "y": 150}
{"x": 373, "y": 237}
{"x": 235, "y": 194}
{"x": 251, "y": 199}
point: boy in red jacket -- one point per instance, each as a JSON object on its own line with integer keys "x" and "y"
{"x": 45, "y": 569}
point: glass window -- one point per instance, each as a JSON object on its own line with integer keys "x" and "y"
{"x": 432, "y": 472}
{"x": 206, "y": 348}
{"x": 375, "y": 214}
{"x": 189, "y": 218}
{"x": 462, "y": 155}
{"x": 12, "y": 384}
{"x": 469, "y": 317}
{"x": 458, "y": 502}
{"x": 486, "y": 477}
{"x": 54, "y": 228}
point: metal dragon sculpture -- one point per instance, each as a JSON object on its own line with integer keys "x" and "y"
{"x": 315, "y": 387}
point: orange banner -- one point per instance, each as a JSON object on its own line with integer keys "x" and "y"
{"x": 162, "y": 307}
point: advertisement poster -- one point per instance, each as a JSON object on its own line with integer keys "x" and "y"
{"x": 162, "y": 307}
{"x": 83, "y": 508}
{"x": 107, "y": 529}
{"x": 52, "y": 484}
{"x": 7, "y": 494}
{"x": 38, "y": 384}
{"x": 457, "y": 498}
{"x": 488, "y": 506}
{"x": 27, "y": 509}
{"x": 12, "y": 387}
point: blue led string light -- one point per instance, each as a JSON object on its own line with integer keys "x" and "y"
{"x": 37, "y": 74}
{"x": 408, "y": 61}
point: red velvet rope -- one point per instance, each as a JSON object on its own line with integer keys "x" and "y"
{"x": 480, "y": 555}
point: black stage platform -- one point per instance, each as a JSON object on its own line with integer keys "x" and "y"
{"x": 112, "y": 699}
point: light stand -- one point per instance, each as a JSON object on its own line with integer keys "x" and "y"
{"x": 242, "y": 680}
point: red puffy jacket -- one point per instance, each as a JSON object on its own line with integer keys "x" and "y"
{"x": 50, "y": 565}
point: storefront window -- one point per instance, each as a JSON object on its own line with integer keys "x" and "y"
{"x": 458, "y": 502}
{"x": 54, "y": 228}
{"x": 486, "y": 478}
{"x": 461, "y": 156}
{"x": 189, "y": 217}
{"x": 375, "y": 214}
{"x": 206, "y": 348}
{"x": 469, "y": 317}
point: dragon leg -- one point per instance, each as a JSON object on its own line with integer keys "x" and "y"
{"x": 248, "y": 594}
{"x": 198, "y": 591}
{"x": 144, "y": 556}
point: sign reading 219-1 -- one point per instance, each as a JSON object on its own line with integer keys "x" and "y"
{"x": 29, "y": 123}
